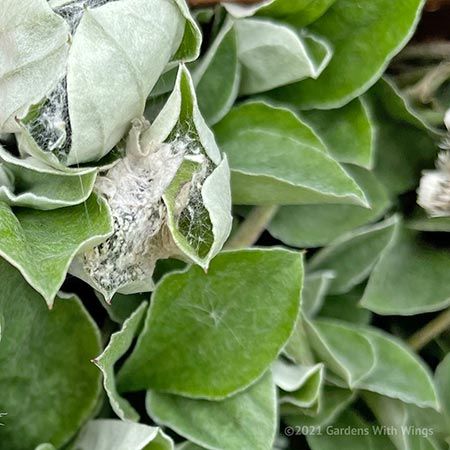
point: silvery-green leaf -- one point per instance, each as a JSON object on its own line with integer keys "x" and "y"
{"x": 401, "y": 140}
{"x": 352, "y": 256}
{"x": 32, "y": 184}
{"x": 442, "y": 380}
{"x": 384, "y": 22}
{"x": 370, "y": 359}
{"x": 346, "y": 307}
{"x": 276, "y": 159}
{"x": 132, "y": 53}
{"x": 334, "y": 401}
{"x": 217, "y": 76}
{"x": 245, "y": 420}
{"x": 420, "y": 221}
{"x": 122, "y": 306}
{"x": 49, "y": 385}
{"x": 45, "y": 447}
{"x": 42, "y": 244}
{"x": 396, "y": 416}
{"x": 214, "y": 345}
{"x": 317, "y": 225}
{"x": 362, "y": 435}
{"x": 264, "y": 47}
{"x": 118, "y": 345}
{"x": 314, "y": 290}
{"x": 411, "y": 277}
{"x": 301, "y": 385}
{"x": 40, "y": 40}
{"x": 348, "y": 132}
{"x": 297, "y": 347}
{"x": 109, "y": 434}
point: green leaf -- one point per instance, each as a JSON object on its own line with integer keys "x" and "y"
{"x": 34, "y": 49}
{"x": 297, "y": 347}
{"x": 119, "y": 344}
{"x": 378, "y": 31}
{"x": 107, "y": 434}
{"x": 42, "y": 244}
{"x": 411, "y": 277}
{"x": 421, "y": 222}
{"x": 361, "y": 435}
{"x": 213, "y": 346}
{"x": 298, "y": 13}
{"x": 334, "y": 401}
{"x": 373, "y": 360}
{"x": 347, "y": 132}
{"x": 122, "y": 306}
{"x": 317, "y": 225}
{"x": 353, "y": 256}
{"x": 35, "y": 185}
{"x": 401, "y": 140}
{"x": 265, "y": 46}
{"x": 246, "y": 420}
{"x": 314, "y": 290}
{"x": 277, "y": 159}
{"x": 301, "y": 385}
{"x": 49, "y": 386}
{"x": 217, "y": 76}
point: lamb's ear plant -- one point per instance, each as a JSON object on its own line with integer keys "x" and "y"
{"x": 209, "y": 233}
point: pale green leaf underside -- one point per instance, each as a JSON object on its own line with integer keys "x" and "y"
{"x": 264, "y": 47}
{"x": 410, "y": 278}
{"x": 317, "y": 225}
{"x": 118, "y": 345}
{"x": 42, "y": 244}
{"x": 108, "y": 434}
{"x": 39, "y": 38}
{"x": 277, "y": 159}
{"x": 35, "y": 185}
{"x": 49, "y": 385}
{"x": 384, "y": 22}
{"x": 352, "y": 256}
{"x": 214, "y": 346}
{"x": 246, "y": 420}
{"x": 314, "y": 290}
{"x": 370, "y": 359}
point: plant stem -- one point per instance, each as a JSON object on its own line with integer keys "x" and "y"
{"x": 199, "y": 3}
{"x": 252, "y": 227}
{"x": 430, "y": 331}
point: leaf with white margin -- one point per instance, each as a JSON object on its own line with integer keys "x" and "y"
{"x": 132, "y": 52}
{"x": 118, "y": 345}
{"x": 217, "y": 76}
{"x": 348, "y": 132}
{"x": 32, "y": 184}
{"x": 334, "y": 401}
{"x": 245, "y": 420}
{"x": 411, "y": 277}
{"x": 370, "y": 359}
{"x": 384, "y": 22}
{"x": 42, "y": 244}
{"x": 40, "y": 39}
{"x": 180, "y": 119}
{"x": 264, "y": 47}
{"x": 277, "y": 159}
{"x": 405, "y": 434}
{"x": 317, "y": 225}
{"x": 315, "y": 288}
{"x": 44, "y": 352}
{"x": 214, "y": 346}
{"x": 353, "y": 256}
{"x": 301, "y": 385}
{"x": 110, "y": 434}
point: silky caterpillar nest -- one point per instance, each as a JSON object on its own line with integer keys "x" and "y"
{"x": 134, "y": 190}
{"x": 434, "y": 189}
{"x": 49, "y": 123}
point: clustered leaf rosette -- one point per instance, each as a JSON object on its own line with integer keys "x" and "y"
{"x": 169, "y": 197}
{"x": 74, "y": 61}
